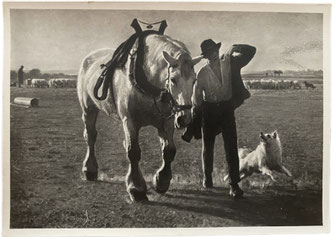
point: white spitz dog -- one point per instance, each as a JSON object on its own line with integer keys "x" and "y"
{"x": 265, "y": 158}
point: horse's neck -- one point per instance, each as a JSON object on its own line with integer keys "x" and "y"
{"x": 156, "y": 72}
{"x": 155, "y": 67}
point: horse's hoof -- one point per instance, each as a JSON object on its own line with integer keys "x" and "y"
{"x": 138, "y": 196}
{"x": 160, "y": 187}
{"x": 90, "y": 176}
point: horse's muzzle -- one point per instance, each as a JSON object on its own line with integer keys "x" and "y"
{"x": 183, "y": 119}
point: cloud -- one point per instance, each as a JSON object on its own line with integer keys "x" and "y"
{"x": 314, "y": 45}
{"x": 292, "y": 63}
{"x": 290, "y": 55}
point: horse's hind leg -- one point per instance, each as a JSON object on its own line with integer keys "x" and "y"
{"x": 161, "y": 179}
{"x": 135, "y": 183}
{"x": 90, "y": 165}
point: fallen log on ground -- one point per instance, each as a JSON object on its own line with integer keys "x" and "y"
{"x": 30, "y": 102}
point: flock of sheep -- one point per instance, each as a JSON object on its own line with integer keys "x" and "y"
{"x": 269, "y": 84}
{"x": 55, "y": 83}
{"x": 266, "y": 84}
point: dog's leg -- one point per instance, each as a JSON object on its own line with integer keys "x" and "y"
{"x": 266, "y": 171}
{"x": 243, "y": 175}
{"x": 286, "y": 171}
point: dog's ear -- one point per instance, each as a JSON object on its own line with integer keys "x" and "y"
{"x": 275, "y": 134}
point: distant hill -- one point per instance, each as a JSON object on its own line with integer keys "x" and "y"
{"x": 286, "y": 74}
{"x": 64, "y": 71}
{"x": 247, "y": 74}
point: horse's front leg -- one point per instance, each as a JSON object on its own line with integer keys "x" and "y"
{"x": 135, "y": 183}
{"x": 161, "y": 179}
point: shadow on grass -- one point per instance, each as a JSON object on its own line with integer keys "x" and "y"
{"x": 298, "y": 208}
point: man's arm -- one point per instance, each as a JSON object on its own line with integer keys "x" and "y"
{"x": 241, "y": 54}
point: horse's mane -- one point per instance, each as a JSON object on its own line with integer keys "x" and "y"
{"x": 154, "y": 45}
{"x": 159, "y": 43}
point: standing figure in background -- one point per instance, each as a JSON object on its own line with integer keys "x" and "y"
{"x": 219, "y": 90}
{"x": 20, "y": 76}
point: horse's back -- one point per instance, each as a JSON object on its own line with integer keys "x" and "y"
{"x": 89, "y": 72}
{"x": 96, "y": 56}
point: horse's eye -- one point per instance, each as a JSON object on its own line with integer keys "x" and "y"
{"x": 174, "y": 66}
{"x": 173, "y": 80}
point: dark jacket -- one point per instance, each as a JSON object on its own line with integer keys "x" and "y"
{"x": 239, "y": 92}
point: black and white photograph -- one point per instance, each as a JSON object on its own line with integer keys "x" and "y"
{"x": 165, "y": 117}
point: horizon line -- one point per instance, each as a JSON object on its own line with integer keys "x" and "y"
{"x": 76, "y": 70}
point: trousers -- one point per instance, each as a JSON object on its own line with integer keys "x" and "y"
{"x": 218, "y": 118}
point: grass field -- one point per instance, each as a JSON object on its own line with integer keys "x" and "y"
{"x": 47, "y": 150}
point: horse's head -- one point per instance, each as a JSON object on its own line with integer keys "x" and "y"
{"x": 179, "y": 82}
{"x": 168, "y": 64}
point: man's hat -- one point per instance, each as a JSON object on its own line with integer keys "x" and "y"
{"x": 208, "y": 45}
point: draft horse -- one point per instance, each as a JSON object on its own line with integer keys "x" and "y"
{"x": 167, "y": 65}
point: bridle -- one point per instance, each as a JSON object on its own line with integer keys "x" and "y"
{"x": 166, "y": 96}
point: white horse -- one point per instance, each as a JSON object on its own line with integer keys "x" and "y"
{"x": 167, "y": 64}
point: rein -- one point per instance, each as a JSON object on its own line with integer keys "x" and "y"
{"x": 165, "y": 94}
{"x": 174, "y": 106}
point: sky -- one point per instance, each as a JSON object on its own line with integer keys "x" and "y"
{"x": 54, "y": 40}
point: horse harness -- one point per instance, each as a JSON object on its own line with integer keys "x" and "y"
{"x": 137, "y": 75}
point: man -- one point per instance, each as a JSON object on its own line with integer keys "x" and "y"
{"x": 20, "y": 76}
{"x": 219, "y": 90}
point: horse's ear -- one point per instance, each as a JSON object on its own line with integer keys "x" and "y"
{"x": 196, "y": 59}
{"x": 170, "y": 60}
